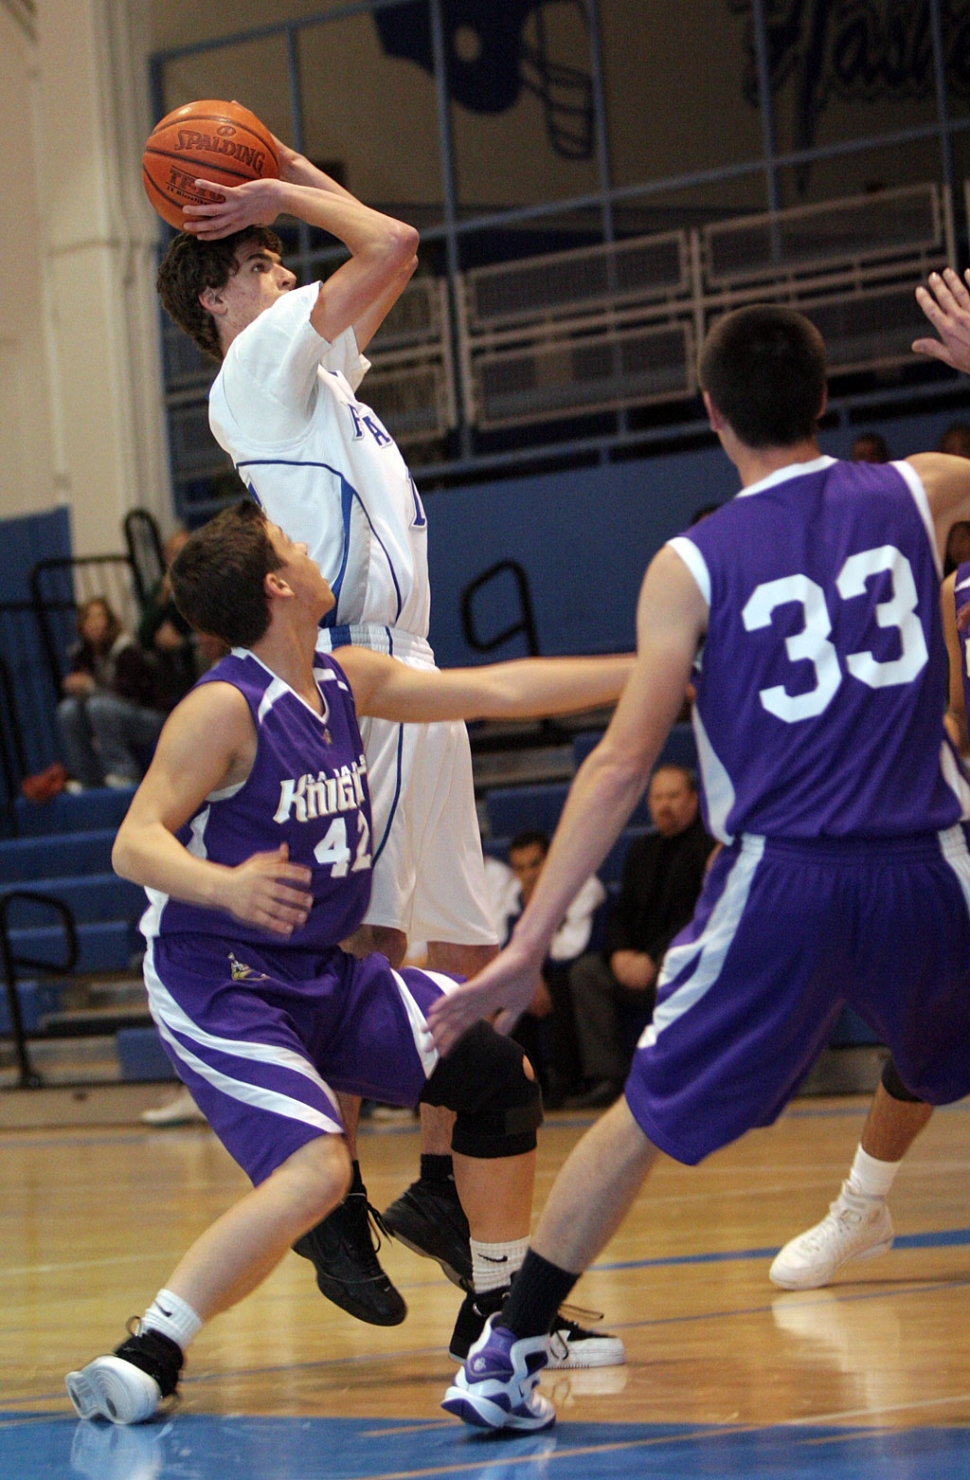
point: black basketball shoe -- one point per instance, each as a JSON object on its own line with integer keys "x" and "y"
{"x": 343, "y": 1251}
{"x": 429, "y": 1220}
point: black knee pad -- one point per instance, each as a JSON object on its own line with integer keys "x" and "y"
{"x": 499, "y": 1108}
{"x": 895, "y": 1087}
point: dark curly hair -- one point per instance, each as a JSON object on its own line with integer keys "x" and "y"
{"x": 190, "y": 266}
{"x": 218, "y": 575}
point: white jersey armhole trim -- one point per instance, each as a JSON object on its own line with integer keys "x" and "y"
{"x": 695, "y": 563}
{"x": 914, "y": 483}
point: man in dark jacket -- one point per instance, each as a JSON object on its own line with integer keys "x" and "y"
{"x": 613, "y": 992}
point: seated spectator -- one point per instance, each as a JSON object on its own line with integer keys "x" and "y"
{"x": 165, "y": 634}
{"x": 613, "y": 993}
{"x": 109, "y": 718}
{"x": 870, "y": 447}
{"x": 547, "y": 1029}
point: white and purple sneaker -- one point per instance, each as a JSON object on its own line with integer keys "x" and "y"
{"x": 495, "y": 1388}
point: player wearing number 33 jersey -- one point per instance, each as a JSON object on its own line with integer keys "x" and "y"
{"x": 828, "y": 775}
{"x": 806, "y": 613}
{"x": 824, "y": 663}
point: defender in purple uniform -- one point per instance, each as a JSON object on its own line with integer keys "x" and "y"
{"x": 262, "y": 1014}
{"x": 806, "y": 613}
{"x": 858, "y": 1224}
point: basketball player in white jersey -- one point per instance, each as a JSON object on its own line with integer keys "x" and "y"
{"x": 319, "y": 462}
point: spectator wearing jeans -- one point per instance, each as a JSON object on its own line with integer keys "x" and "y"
{"x": 613, "y": 993}
{"x": 107, "y": 718}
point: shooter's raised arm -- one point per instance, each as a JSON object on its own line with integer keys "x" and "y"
{"x": 382, "y": 250}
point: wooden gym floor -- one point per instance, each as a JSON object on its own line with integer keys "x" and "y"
{"x": 726, "y": 1376}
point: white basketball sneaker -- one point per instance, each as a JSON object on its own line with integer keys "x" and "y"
{"x": 110, "y": 1387}
{"x": 855, "y": 1227}
{"x": 495, "y": 1389}
{"x": 128, "y": 1386}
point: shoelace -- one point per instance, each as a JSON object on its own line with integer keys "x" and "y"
{"x": 844, "y": 1219}
{"x": 577, "y": 1315}
{"x": 374, "y": 1222}
{"x": 570, "y": 1318}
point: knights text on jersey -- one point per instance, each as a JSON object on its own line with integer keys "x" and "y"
{"x": 321, "y": 464}
{"x": 822, "y": 679}
{"x": 307, "y": 788}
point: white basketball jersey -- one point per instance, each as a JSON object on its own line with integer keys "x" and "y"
{"x": 322, "y": 466}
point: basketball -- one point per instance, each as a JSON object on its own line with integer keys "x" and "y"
{"x": 212, "y": 140}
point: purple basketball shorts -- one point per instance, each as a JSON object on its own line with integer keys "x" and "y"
{"x": 784, "y": 934}
{"x": 263, "y": 1038}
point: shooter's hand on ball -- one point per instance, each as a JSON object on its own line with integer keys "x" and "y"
{"x": 262, "y": 891}
{"x": 254, "y": 203}
{"x": 505, "y": 986}
{"x": 946, "y": 303}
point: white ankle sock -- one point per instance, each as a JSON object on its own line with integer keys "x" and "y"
{"x": 173, "y": 1317}
{"x": 493, "y": 1265}
{"x": 870, "y": 1177}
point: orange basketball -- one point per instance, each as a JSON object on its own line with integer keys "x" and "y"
{"x": 211, "y": 140}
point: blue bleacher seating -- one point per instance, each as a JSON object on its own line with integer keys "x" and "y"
{"x": 36, "y": 999}
{"x": 103, "y": 946}
{"x": 680, "y": 747}
{"x": 72, "y": 863}
{"x": 101, "y": 807}
{"x": 851, "y": 1032}
{"x": 513, "y": 809}
{"x": 83, "y": 853}
{"x": 141, "y": 1055}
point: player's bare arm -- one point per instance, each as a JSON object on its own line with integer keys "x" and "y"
{"x": 671, "y": 620}
{"x": 946, "y": 303}
{"x": 529, "y": 688}
{"x": 208, "y": 743}
{"x": 382, "y": 250}
{"x": 947, "y": 483}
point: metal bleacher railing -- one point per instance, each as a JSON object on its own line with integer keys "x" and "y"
{"x": 35, "y": 636}
{"x": 612, "y": 327}
{"x": 15, "y": 962}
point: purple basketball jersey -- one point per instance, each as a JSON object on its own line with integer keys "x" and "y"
{"x": 822, "y": 680}
{"x": 307, "y": 788}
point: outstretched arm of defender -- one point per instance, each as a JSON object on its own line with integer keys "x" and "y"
{"x": 529, "y": 688}
{"x": 208, "y": 743}
{"x": 671, "y": 618}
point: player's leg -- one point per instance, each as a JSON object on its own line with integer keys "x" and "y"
{"x": 914, "y": 990}
{"x": 344, "y": 1247}
{"x": 485, "y": 1081}
{"x": 232, "y": 1257}
{"x": 735, "y": 1029}
{"x": 428, "y": 1216}
{"x": 217, "y": 1011}
{"x": 858, "y": 1224}
{"x": 436, "y": 830}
